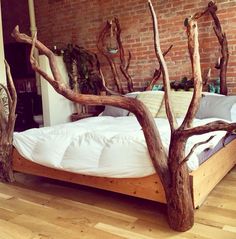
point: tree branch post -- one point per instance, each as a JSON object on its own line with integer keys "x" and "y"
{"x": 221, "y": 36}
{"x": 7, "y": 124}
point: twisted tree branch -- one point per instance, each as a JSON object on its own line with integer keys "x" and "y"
{"x": 100, "y": 46}
{"x": 124, "y": 66}
{"x": 221, "y": 36}
{"x": 194, "y": 147}
{"x": 157, "y": 73}
{"x": 164, "y": 71}
{"x": 210, "y": 127}
{"x": 103, "y": 79}
{"x": 193, "y": 46}
{"x": 12, "y": 101}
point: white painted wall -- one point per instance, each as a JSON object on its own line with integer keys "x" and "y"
{"x": 2, "y": 65}
{"x": 56, "y": 108}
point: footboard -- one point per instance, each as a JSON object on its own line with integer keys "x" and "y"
{"x": 209, "y": 174}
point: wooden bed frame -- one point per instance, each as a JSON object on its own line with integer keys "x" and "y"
{"x": 203, "y": 180}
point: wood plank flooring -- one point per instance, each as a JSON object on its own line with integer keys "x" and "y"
{"x": 39, "y": 208}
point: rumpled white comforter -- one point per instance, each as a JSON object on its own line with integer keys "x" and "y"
{"x": 102, "y": 146}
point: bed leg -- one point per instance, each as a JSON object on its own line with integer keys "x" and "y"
{"x": 6, "y": 172}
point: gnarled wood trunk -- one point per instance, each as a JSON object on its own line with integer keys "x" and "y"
{"x": 8, "y": 99}
{"x": 221, "y": 36}
{"x": 179, "y": 199}
{"x": 6, "y": 174}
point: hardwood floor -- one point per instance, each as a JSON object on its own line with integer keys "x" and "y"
{"x": 39, "y": 208}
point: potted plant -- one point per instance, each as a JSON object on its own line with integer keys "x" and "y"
{"x": 84, "y": 77}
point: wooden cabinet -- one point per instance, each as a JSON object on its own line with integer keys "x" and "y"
{"x": 28, "y": 105}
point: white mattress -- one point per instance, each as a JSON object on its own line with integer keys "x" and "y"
{"x": 101, "y": 146}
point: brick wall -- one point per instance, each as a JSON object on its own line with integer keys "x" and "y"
{"x": 80, "y": 21}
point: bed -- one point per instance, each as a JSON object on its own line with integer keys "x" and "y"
{"x": 113, "y": 156}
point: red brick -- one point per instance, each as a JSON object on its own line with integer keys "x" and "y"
{"x": 81, "y": 21}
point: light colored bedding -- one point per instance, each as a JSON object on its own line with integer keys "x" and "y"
{"x": 102, "y": 146}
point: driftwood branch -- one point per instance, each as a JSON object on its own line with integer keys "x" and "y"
{"x": 210, "y": 127}
{"x": 225, "y": 138}
{"x": 7, "y": 124}
{"x": 221, "y": 36}
{"x": 12, "y": 103}
{"x": 164, "y": 70}
{"x": 194, "y": 148}
{"x": 128, "y": 61}
{"x": 103, "y": 51}
{"x": 157, "y": 73}
{"x": 207, "y": 77}
{"x": 124, "y": 66}
{"x": 103, "y": 79}
{"x": 193, "y": 46}
{"x": 222, "y": 39}
{"x": 3, "y": 113}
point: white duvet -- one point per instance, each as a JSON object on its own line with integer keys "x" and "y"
{"x": 102, "y": 146}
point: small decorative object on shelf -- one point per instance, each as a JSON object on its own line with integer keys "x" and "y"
{"x": 76, "y": 116}
{"x": 214, "y": 86}
{"x": 184, "y": 84}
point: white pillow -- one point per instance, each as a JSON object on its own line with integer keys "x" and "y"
{"x": 212, "y": 106}
{"x": 204, "y": 93}
{"x": 116, "y": 111}
{"x": 152, "y": 100}
{"x": 49, "y": 151}
{"x": 180, "y": 102}
{"x": 233, "y": 113}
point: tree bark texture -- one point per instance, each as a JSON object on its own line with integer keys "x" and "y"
{"x": 7, "y": 123}
{"x": 157, "y": 73}
{"x": 221, "y": 36}
{"x": 124, "y": 65}
{"x": 102, "y": 49}
{"x": 179, "y": 198}
{"x": 178, "y": 193}
{"x": 6, "y": 173}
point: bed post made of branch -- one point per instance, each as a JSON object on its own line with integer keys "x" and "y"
{"x": 179, "y": 198}
{"x": 221, "y": 36}
{"x": 8, "y": 99}
{"x": 222, "y": 39}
